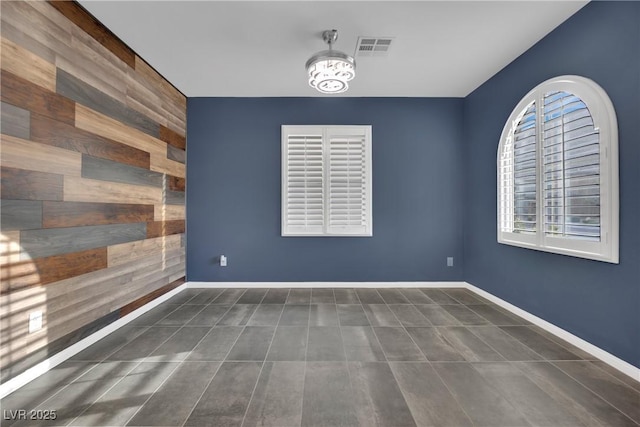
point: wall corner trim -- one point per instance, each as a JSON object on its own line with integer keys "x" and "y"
{"x": 214, "y": 285}
{"x": 608, "y": 358}
{"x": 50, "y": 363}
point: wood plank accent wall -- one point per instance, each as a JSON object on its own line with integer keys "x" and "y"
{"x": 93, "y": 179}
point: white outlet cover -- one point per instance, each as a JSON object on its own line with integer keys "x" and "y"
{"x": 35, "y": 321}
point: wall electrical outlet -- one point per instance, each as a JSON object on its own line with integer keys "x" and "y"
{"x": 223, "y": 261}
{"x": 35, "y": 321}
{"x": 449, "y": 261}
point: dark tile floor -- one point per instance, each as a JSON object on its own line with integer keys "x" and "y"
{"x": 330, "y": 357}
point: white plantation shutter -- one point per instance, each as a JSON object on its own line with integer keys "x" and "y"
{"x": 326, "y": 181}
{"x": 348, "y": 184}
{"x": 558, "y": 171}
{"x": 571, "y": 168}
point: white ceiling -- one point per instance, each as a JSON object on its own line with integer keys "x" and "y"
{"x": 259, "y": 48}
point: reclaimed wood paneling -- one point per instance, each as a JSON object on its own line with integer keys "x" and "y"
{"x": 164, "y": 228}
{"x": 150, "y": 297}
{"x": 59, "y": 267}
{"x": 78, "y": 214}
{"x": 92, "y": 190}
{"x": 168, "y": 212}
{"x": 79, "y": 16}
{"x": 176, "y": 154}
{"x": 14, "y": 121}
{"x": 23, "y": 154}
{"x": 20, "y": 214}
{"x": 84, "y": 94}
{"x": 55, "y": 241}
{"x": 176, "y": 184}
{"x": 30, "y": 66}
{"x": 58, "y": 134}
{"x": 126, "y": 252}
{"x": 93, "y": 180}
{"x": 24, "y": 94}
{"x": 172, "y": 138}
{"x": 30, "y": 185}
{"x": 108, "y": 170}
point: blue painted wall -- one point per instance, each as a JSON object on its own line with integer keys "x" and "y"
{"x": 597, "y": 301}
{"x": 233, "y": 191}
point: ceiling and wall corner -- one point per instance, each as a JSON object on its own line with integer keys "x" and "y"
{"x": 259, "y": 48}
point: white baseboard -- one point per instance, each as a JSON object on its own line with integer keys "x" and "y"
{"x": 216, "y": 285}
{"x": 50, "y": 363}
{"x": 608, "y": 358}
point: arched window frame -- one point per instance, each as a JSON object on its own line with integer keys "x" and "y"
{"x": 603, "y": 114}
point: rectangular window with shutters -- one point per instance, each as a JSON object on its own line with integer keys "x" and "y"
{"x": 326, "y": 181}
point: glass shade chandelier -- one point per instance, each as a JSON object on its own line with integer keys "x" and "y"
{"x": 331, "y": 70}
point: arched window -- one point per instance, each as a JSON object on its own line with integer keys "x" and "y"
{"x": 558, "y": 171}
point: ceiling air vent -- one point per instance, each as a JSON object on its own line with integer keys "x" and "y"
{"x": 373, "y": 46}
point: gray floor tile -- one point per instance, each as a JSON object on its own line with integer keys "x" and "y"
{"x": 109, "y": 344}
{"x": 393, "y": 296}
{"x": 323, "y": 315}
{"x": 120, "y": 403}
{"x": 238, "y": 315}
{"x": 299, "y": 296}
{"x": 437, "y": 315}
{"x": 328, "y": 397}
{"x": 325, "y": 344}
{"x": 434, "y": 345}
{"x": 173, "y": 402}
{"x": 463, "y": 296}
{"x": 144, "y": 344}
{"x": 225, "y": 401}
{"x": 205, "y": 296}
{"x": 544, "y": 347}
{"x": 509, "y": 347}
{"x": 496, "y": 316}
{"x": 178, "y": 347}
{"x": 378, "y": 399}
{"x": 439, "y": 297}
{"x": 618, "y": 394}
{"x": 380, "y": 315}
{"x": 229, "y": 296}
{"x": 322, "y": 296}
{"x": 429, "y": 400}
{"x": 277, "y": 399}
{"x": 572, "y": 348}
{"x": 361, "y": 344}
{"x": 266, "y": 315}
{"x": 216, "y": 344}
{"x": 44, "y": 387}
{"x": 276, "y": 296}
{"x": 80, "y": 394}
{"x": 183, "y": 296}
{"x": 352, "y": 315}
{"x": 252, "y": 344}
{"x": 252, "y": 296}
{"x": 181, "y": 315}
{"x": 210, "y": 315}
{"x": 295, "y": 315}
{"x": 480, "y": 401}
{"x": 416, "y": 297}
{"x": 346, "y": 296}
{"x": 398, "y": 345}
{"x": 634, "y": 384}
{"x": 464, "y": 315}
{"x": 408, "y": 315}
{"x": 472, "y": 348}
{"x": 369, "y": 296}
{"x": 572, "y": 395}
{"x": 289, "y": 344}
{"x": 154, "y": 315}
{"x": 538, "y": 407}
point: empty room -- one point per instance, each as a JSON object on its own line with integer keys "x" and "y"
{"x": 320, "y": 213}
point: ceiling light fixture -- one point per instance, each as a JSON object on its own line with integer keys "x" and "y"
{"x": 330, "y": 70}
